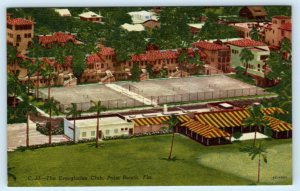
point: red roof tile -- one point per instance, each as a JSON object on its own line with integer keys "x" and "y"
{"x": 246, "y": 43}
{"x": 59, "y": 37}
{"x": 209, "y": 45}
{"x": 92, "y": 58}
{"x": 107, "y": 51}
{"x": 281, "y": 17}
{"x": 153, "y": 55}
{"x": 19, "y": 21}
{"x": 286, "y": 26}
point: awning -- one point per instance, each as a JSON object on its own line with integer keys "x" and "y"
{"x": 278, "y": 125}
{"x": 183, "y": 118}
{"x": 272, "y": 110}
{"x": 150, "y": 121}
{"x": 205, "y": 130}
{"x": 223, "y": 119}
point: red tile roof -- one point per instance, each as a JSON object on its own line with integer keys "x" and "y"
{"x": 19, "y": 21}
{"x": 286, "y": 26}
{"x": 92, "y": 58}
{"x": 209, "y": 45}
{"x": 52, "y": 62}
{"x": 153, "y": 55}
{"x": 59, "y": 37}
{"x": 281, "y": 17}
{"x": 107, "y": 51}
{"x": 246, "y": 43}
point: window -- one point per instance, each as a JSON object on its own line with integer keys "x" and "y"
{"x": 107, "y": 132}
{"x": 122, "y": 129}
{"x": 283, "y": 21}
{"x": 83, "y": 134}
{"x": 282, "y": 32}
{"x": 115, "y": 130}
{"x": 258, "y": 65}
{"x": 93, "y": 133}
{"x": 102, "y": 65}
{"x": 126, "y": 129}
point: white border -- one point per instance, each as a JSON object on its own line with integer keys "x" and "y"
{"x": 80, "y": 3}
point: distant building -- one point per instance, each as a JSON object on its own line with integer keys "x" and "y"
{"x": 195, "y": 27}
{"x": 63, "y": 12}
{"x": 257, "y": 68}
{"x": 139, "y": 17}
{"x": 253, "y": 12}
{"x": 19, "y": 32}
{"x": 280, "y": 28}
{"x": 91, "y": 17}
{"x": 133, "y": 27}
{"x": 217, "y": 56}
{"x": 244, "y": 29}
{"x": 151, "y": 24}
{"x": 60, "y": 38}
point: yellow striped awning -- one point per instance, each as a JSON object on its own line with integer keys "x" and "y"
{"x": 205, "y": 130}
{"x": 278, "y": 125}
{"x": 222, "y": 119}
{"x": 183, "y": 118}
{"x": 150, "y": 121}
{"x": 272, "y": 110}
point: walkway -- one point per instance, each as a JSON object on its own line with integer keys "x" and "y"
{"x": 132, "y": 95}
{"x": 17, "y": 136}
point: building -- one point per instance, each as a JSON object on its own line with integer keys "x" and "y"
{"x": 108, "y": 127}
{"x": 139, "y": 17}
{"x": 195, "y": 27}
{"x": 91, "y": 17}
{"x": 19, "y": 32}
{"x": 244, "y": 29}
{"x": 217, "y": 56}
{"x": 60, "y": 38}
{"x": 280, "y": 28}
{"x": 257, "y": 67}
{"x": 133, "y": 27}
{"x": 63, "y": 12}
{"x": 253, "y": 12}
{"x": 151, "y": 24}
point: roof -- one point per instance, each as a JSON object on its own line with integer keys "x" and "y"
{"x": 58, "y": 37}
{"x": 278, "y": 125}
{"x": 205, "y": 130}
{"x": 107, "y": 51}
{"x": 272, "y": 110}
{"x": 134, "y": 27}
{"x": 93, "y": 58}
{"x": 89, "y": 14}
{"x": 246, "y": 43}
{"x": 209, "y": 45}
{"x": 19, "y": 21}
{"x": 153, "y": 55}
{"x": 196, "y": 25}
{"x": 52, "y": 62}
{"x": 257, "y": 10}
{"x": 63, "y": 12}
{"x": 281, "y": 17}
{"x": 286, "y": 26}
{"x": 158, "y": 120}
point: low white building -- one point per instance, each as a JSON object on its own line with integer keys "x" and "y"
{"x": 63, "y": 12}
{"x": 108, "y": 127}
{"x": 91, "y": 17}
{"x": 134, "y": 27}
{"x": 142, "y": 16}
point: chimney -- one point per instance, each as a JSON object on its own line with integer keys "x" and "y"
{"x": 165, "y": 109}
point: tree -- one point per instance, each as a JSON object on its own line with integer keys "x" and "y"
{"x": 31, "y": 69}
{"x": 28, "y": 109}
{"x": 182, "y": 59}
{"x": 254, "y": 34}
{"x": 172, "y": 123}
{"x": 48, "y": 73}
{"x": 257, "y": 150}
{"x": 74, "y": 112}
{"x": 78, "y": 62}
{"x": 246, "y": 56}
{"x": 50, "y": 108}
{"x": 98, "y": 108}
{"x": 197, "y": 60}
{"x": 256, "y": 120}
{"x": 14, "y": 88}
{"x": 135, "y": 73}
{"x": 149, "y": 69}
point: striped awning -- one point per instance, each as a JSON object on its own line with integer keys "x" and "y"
{"x": 205, "y": 130}
{"x": 150, "y": 121}
{"x": 183, "y": 118}
{"x": 223, "y": 119}
{"x": 272, "y": 110}
{"x": 278, "y": 125}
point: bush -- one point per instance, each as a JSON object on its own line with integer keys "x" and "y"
{"x": 44, "y": 129}
{"x": 137, "y": 135}
{"x": 237, "y": 135}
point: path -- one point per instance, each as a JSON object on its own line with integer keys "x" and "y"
{"x": 132, "y": 95}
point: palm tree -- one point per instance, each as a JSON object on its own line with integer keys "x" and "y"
{"x": 74, "y": 112}
{"x": 256, "y": 120}
{"x": 38, "y": 64}
{"x": 28, "y": 109}
{"x": 246, "y": 56}
{"x": 257, "y": 150}
{"x": 172, "y": 123}
{"x": 197, "y": 59}
{"x": 97, "y": 107}
{"x": 50, "y": 107}
{"x": 48, "y": 73}
{"x": 182, "y": 59}
{"x": 31, "y": 69}
{"x": 14, "y": 87}
{"x": 254, "y": 34}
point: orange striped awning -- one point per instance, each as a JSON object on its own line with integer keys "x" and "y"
{"x": 278, "y": 125}
{"x": 183, "y": 118}
{"x": 272, "y": 110}
{"x": 205, "y": 130}
{"x": 223, "y": 119}
{"x": 150, "y": 121}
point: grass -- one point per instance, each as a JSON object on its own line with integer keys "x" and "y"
{"x": 142, "y": 161}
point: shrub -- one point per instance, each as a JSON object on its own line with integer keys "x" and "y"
{"x": 44, "y": 129}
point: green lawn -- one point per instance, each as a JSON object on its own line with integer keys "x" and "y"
{"x": 142, "y": 161}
